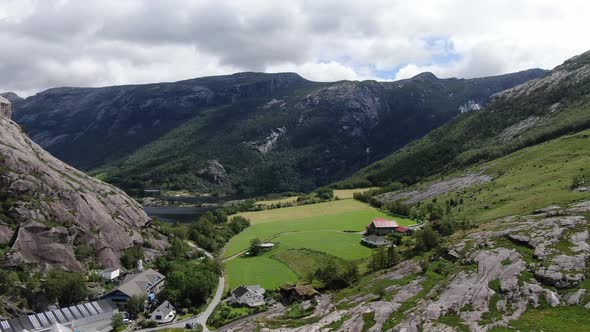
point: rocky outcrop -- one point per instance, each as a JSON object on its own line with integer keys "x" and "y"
{"x": 269, "y": 142}
{"x": 215, "y": 173}
{"x": 435, "y": 189}
{"x": 51, "y": 208}
{"x": 358, "y": 105}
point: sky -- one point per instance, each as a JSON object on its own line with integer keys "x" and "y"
{"x": 52, "y": 43}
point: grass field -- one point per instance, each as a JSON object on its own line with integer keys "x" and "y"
{"x": 338, "y": 244}
{"x": 278, "y": 200}
{"x": 316, "y": 232}
{"x": 344, "y": 215}
{"x": 348, "y": 193}
{"x": 305, "y": 211}
{"x": 340, "y": 193}
{"x": 263, "y": 270}
{"x": 304, "y": 261}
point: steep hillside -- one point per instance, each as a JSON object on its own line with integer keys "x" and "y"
{"x": 525, "y": 115}
{"x": 248, "y": 132}
{"x": 49, "y": 211}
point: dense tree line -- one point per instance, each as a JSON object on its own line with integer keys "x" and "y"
{"x": 36, "y": 291}
{"x": 210, "y": 232}
{"x": 334, "y": 276}
{"x": 383, "y": 258}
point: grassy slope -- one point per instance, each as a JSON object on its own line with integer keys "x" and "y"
{"x": 532, "y": 178}
{"x": 571, "y": 319}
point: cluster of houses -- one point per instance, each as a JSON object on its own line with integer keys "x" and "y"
{"x": 97, "y": 315}
{"x": 254, "y": 295}
{"x": 376, "y": 232}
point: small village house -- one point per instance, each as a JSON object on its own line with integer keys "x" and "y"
{"x": 252, "y": 295}
{"x": 147, "y": 283}
{"x": 110, "y": 274}
{"x": 380, "y": 226}
{"x": 164, "y": 313}
{"x": 292, "y": 293}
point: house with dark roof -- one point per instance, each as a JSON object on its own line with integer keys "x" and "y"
{"x": 381, "y": 226}
{"x": 164, "y": 313}
{"x": 252, "y": 295}
{"x": 291, "y": 292}
{"x": 147, "y": 284}
{"x": 89, "y": 316}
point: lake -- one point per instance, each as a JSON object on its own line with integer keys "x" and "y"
{"x": 182, "y": 214}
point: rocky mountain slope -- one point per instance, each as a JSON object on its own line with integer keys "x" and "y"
{"x": 49, "y": 210}
{"x": 298, "y": 134}
{"x": 528, "y": 114}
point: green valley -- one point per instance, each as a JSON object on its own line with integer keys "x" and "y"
{"x": 326, "y": 232}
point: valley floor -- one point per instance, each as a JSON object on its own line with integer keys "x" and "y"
{"x": 305, "y": 236}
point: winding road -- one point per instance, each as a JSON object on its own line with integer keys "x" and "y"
{"x": 200, "y": 319}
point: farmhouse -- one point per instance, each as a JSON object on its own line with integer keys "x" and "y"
{"x": 380, "y": 226}
{"x": 375, "y": 241}
{"x": 291, "y": 292}
{"x": 165, "y": 313}
{"x": 252, "y": 295}
{"x": 89, "y": 316}
{"x": 147, "y": 283}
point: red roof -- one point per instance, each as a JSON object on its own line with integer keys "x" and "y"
{"x": 384, "y": 223}
{"x": 402, "y": 229}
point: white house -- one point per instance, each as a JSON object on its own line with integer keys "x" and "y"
{"x": 252, "y": 295}
{"x": 165, "y": 313}
{"x": 110, "y": 274}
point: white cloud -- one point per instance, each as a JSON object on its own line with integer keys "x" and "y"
{"x": 90, "y": 43}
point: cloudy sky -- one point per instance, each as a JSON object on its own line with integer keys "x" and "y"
{"x": 49, "y": 43}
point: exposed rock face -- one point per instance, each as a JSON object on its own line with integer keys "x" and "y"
{"x": 359, "y": 105}
{"x": 215, "y": 172}
{"x": 5, "y": 107}
{"x": 53, "y": 208}
{"x": 270, "y": 142}
{"x": 435, "y": 189}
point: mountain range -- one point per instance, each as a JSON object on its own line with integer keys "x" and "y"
{"x": 249, "y": 133}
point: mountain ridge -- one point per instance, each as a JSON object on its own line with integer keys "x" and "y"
{"x": 313, "y": 133}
